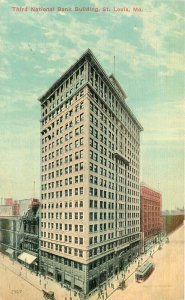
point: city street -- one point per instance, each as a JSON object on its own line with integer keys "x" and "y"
{"x": 14, "y": 287}
{"x": 18, "y": 283}
{"x": 167, "y": 280}
{"x": 165, "y": 283}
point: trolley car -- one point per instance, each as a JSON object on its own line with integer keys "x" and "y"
{"x": 144, "y": 271}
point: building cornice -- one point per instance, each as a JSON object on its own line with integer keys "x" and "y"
{"x": 110, "y": 80}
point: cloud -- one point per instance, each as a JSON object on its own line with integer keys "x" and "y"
{"x": 3, "y": 74}
{"x": 164, "y": 123}
{"x": 157, "y": 26}
{"x": 62, "y": 13}
{"x": 49, "y": 71}
{"x": 165, "y": 74}
{"x": 20, "y": 97}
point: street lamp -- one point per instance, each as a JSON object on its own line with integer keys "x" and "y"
{"x": 26, "y": 267}
{"x": 70, "y": 293}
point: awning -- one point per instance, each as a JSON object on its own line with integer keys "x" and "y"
{"x": 27, "y": 258}
{"x": 68, "y": 277}
{"x": 78, "y": 282}
{"x": 50, "y": 270}
{"x": 10, "y": 251}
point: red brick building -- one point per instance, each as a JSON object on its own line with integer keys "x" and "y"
{"x": 9, "y": 201}
{"x": 151, "y": 213}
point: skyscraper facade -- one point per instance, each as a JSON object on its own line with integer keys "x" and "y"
{"x": 90, "y": 194}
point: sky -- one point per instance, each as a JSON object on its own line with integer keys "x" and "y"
{"x": 36, "y": 47}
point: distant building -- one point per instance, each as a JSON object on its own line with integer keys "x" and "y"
{"x": 10, "y": 234}
{"x": 8, "y": 201}
{"x": 2, "y": 201}
{"x": 16, "y": 209}
{"x": 11, "y": 226}
{"x": 10, "y": 207}
{"x": 151, "y": 214}
{"x": 6, "y": 210}
{"x": 29, "y": 245}
{"x": 24, "y": 205}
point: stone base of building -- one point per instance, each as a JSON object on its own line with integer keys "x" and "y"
{"x": 88, "y": 278}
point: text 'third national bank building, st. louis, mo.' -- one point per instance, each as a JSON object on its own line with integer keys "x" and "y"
{"x": 90, "y": 165}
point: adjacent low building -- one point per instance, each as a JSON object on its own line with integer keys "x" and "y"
{"x": 10, "y": 235}
{"x": 151, "y": 215}
{"x": 29, "y": 245}
{"x": 19, "y": 223}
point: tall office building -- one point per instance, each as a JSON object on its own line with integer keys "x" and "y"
{"x": 90, "y": 195}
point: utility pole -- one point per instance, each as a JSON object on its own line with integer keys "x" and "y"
{"x": 34, "y": 189}
{"x": 114, "y": 65}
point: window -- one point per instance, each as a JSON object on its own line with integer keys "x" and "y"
{"x": 80, "y": 253}
{"x": 81, "y": 191}
{"x": 81, "y": 228}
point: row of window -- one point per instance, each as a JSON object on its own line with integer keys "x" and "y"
{"x": 95, "y": 168}
{"x": 103, "y": 128}
{"x": 60, "y": 183}
{"x": 101, "y": 182}
{"x": 94, "y": 216}
{"x": 62, "y": 238}
{"x": 65, "y": 204}
{"x": 60, "y": 226}
{"x": 66, "y": 215}
{"x": 101, "y": 261}
{"x": 67, "y": 170}
{"x": 62, "y": 161}
{"x": 66, "y": 193}
{"x": 68, "y": 147}
{"x": 61, "y": 140}
{"x": 101, "y": 204}
{"x": 100, "y": 193}
{"x": 52, "y": 109}
{"x": 62, "y": 249}
{"x": 94, "y": 144}
{"x": 101, "y": 227}
{"x": 60, "y": 259}
{"x": 101, "y": 238}
{"x": 58, "y": 194}
{"x": 115, "y": 110}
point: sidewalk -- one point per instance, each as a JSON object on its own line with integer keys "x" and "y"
{"x": 113, "y": 284}
{"x": 38, "y": 282}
